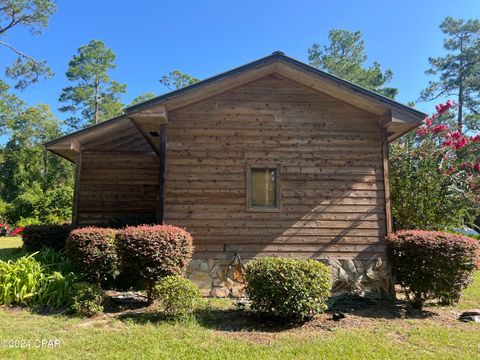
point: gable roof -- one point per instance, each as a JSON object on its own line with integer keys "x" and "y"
{"x": 275, "y": 56}
{"x": 396, "y": 117}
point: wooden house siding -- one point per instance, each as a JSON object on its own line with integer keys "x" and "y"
{"x": 330, "y": 160}
{"x": 113, "y": 186}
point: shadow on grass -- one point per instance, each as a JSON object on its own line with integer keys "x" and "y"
{"x": 9, "y": 253}
{"x": 230, "y": 320}
{"x": 377, "y": 309}
{"x": 243, "y": 320}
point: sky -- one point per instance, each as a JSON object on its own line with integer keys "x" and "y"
{"x": 204, "y": 38}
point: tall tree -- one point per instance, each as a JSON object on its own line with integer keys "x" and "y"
{"x": 27, "y": 166}
{"x": 32, "y": 15}
{"x": 176, "y": 80}
{"x": 458, "y": 72}
{"x": 95, "y": 96}
{"x": 345, "y": 57}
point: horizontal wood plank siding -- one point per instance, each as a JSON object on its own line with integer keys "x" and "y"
{"x": 331, "y": 168}
{"x": 117, "y": 185}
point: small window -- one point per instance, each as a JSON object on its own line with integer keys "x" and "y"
{"x": 263, "y": 188}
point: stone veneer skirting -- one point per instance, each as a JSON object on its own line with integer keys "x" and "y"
{"x": 368, "y": 278}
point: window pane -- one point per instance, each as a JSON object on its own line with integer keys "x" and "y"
{"x": 263, "y": 188}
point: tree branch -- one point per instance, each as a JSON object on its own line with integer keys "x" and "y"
{"x": 19, "y": 53}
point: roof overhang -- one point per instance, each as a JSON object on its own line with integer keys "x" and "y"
{"x": 147, "y": 116}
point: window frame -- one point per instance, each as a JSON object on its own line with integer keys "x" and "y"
{"x": 256, "y": 208}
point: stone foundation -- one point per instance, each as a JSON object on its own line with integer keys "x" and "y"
{"x": 368, "y": 278}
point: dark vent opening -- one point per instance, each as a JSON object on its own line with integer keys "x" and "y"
{"x": 154, "y": 133}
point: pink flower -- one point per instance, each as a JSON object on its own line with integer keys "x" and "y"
{"x": 17, "y": 230}
{"x": 475, "y": 138}
{"x": 422, "y": 131}
{"x": 428, "y": 121}
{"x": 439, "y": 128}
{"x": 456, "y": 135}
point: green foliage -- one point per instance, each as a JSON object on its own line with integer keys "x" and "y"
{"x": 177, "y": 297}
{"x": 54, "y": 260}
{"x": 87, "y": 299}
{"x": 148, "y": 253}
{"x": 10, "y": 106}
{"x": 32, "y": 208}
{"x": 142, "y": 98}
{"x": 37, "y": 237}
{"x": 25, "y": 281}
{"x": 92, "y": 253}
{"x": 27, "y": 166}
{"x": 431, "y": 264}
{"x": 3, "y": 211}
{"x": 457, "y": 71}
{"x": 32, "y": 15}
{"x": 176, "y": 80}
{"x": 345, "y": 57}
{"x": 423, "y": 198}
{"x": 291, "y": 289}
{"x": 95, "y": 96}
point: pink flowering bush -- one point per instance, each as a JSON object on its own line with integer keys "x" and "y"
{"x": 6, "y": 230}
{"x": 435, "y": 175}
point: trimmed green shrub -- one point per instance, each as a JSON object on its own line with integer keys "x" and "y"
{"x": 148, "y": 253}
{"x": 292, "y": 289}
{"x": 92, "y": 253}
{"x": 87, "y": 299}
{"x": 178, "y": 297}
{"x": 25, "y": 281}
{"x": 54, "y": 236}
{"x": 432, "y": 264}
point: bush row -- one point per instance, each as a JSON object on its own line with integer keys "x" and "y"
{"x": 141, "y": 255}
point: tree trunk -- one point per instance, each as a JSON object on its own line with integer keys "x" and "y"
{"x": 95, "y": 115}
{"x": 460, "y": 107}
{"x": 461, "y": 91}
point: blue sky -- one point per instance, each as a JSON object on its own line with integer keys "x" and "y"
{"x": 203, "y": 38}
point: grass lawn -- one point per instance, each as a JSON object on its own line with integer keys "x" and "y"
{"x": 381, "y": 331}
{"x": 9, "y": 245}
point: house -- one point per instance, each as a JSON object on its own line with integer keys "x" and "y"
{"x": 273, "y": 158}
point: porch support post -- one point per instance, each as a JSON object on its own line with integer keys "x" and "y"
{"x": 78, "y": 171}
{"x": 386, "y": 182}
{"x": 161, "y": 174}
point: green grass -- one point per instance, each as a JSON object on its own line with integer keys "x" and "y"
{"x": 218, "y": 335}
{"x": 8, "y": 245}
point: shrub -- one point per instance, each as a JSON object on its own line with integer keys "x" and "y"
{"x": 178, "y": 297}
{"x": 432, "y": 264}
{"x": 36, "y": 237}
{"x": 291, "y": 289}
{"x": 149, "y": 252}
{"x": 25, "y": 281}
{"x": 87, "y": 299}
{"x": 92, "y": 253}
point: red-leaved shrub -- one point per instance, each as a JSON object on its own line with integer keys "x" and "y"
{"x": 93, "y": 254}
{"x": 54, "y": 236}
{"x": 432, "y": 264}
{"x": 148, "y": 253}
